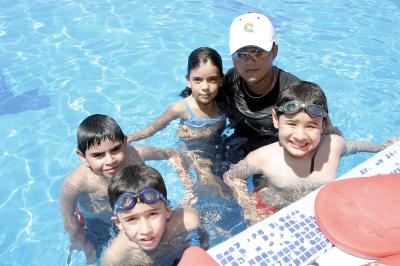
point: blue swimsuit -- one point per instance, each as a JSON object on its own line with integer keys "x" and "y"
{"x": 198, "y": 122}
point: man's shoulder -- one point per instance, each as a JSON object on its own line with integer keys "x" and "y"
{"x": 231, "y": 71}
{"x": 231, "y": 75}
{"x": 286, "y": 78}
{"x": 232, "y": 83}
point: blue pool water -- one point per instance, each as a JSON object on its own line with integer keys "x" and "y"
{"x": 63, "y": 60}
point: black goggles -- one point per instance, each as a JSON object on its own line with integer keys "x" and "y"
{"x": 295, "y": 106}
{"x": 255, "y": 52}
{"x": 127, "y": 201}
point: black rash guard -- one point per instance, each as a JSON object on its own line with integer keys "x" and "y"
{"x": 251, "y": 117}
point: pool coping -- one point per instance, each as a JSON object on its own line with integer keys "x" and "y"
{"x": 284, "y": 244}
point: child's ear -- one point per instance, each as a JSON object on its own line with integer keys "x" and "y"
{"x": 274, "y": 51}
{"x": 117, "y": 222}
{"x": 81, "y": 156}
{"x": 275, "y": 119}
{"x": 169, "y": 212}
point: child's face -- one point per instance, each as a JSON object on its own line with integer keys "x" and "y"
{"x": 299, "y": 133}
{"x": 144, "y": 224}
{"x": 204, "y": 82}
{"x": 106, "y": 158}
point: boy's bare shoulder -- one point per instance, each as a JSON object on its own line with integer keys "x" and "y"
{"x": 191, "y": 218}
{"x": 79, "y": 176}
{"x": 263, "y": 153}
{"x": 336, "y": 143}
{"x": 122, "y": 252}
{"x": 185, "y": 219}
{"x": 134, "y": 153}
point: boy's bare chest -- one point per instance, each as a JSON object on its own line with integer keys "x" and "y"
{"x": 284, "y": 176}
{"x": 97, "y": 189}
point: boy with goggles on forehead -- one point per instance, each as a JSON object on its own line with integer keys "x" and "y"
{"x": 305, "y": 157}
{"x": 103, "y": 149}
{"x": 150, "y": 233}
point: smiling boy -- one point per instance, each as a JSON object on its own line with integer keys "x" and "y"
{"x": 150, "y": 233}
{"x": 305, "y": 157}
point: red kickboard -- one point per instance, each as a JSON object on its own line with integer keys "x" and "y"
{"x": 196, "y": 256}
{"x": 361, "y": 215}
{"x": 388, "y": 261}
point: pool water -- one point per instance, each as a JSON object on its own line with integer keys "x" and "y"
{"x": 63, "y": 60}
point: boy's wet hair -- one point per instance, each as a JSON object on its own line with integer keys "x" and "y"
{"x": 133, "y": 178}
{"x": 200, "y": 56}
{"x": 96, "y": 128}
{"x": 303, "y": 91}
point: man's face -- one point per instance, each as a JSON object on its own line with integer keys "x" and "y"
{"x": 144, "y": 224}
{"x": 253, "y": 63}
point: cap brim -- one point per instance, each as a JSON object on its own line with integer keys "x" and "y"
{"x": 267, "y": 46}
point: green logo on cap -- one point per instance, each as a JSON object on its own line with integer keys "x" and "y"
{"x": 248, "y": 27}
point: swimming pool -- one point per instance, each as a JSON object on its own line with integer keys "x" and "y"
{"x": 63, "y": 60}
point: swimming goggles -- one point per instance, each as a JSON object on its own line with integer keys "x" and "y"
{"x": 293, "y": 107}
{"x": 255, "y": 52}
{"x": 127, "y": 200}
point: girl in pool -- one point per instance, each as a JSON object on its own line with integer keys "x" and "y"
{"x": 201, "y": 117}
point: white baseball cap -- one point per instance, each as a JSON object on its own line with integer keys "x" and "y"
{"x": 251, "y": 29}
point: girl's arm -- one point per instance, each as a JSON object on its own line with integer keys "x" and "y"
{"x": 171, "y": 113}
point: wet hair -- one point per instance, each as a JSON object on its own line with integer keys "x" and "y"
{"x": 96, "y": 128}
{"x": 200, "y": 56}
{"x": 303, "y": 91}
{"x": 133, "y": 178}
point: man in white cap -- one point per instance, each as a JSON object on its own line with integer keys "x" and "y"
{"x": 252, "y": 85}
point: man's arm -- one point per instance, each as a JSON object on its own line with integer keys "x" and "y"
{"x": 235, "y": 178}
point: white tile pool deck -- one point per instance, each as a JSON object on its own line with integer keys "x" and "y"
{"x": 291, "y": 237}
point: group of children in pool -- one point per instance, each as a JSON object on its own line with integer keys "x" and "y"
{"x": 114, "y": 186}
